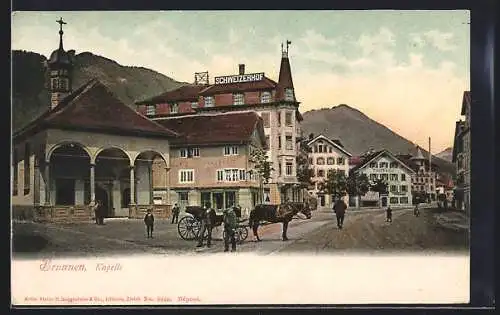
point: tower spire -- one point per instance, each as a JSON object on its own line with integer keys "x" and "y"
{"x": 61, "y": 22}
{"x": 284, "y": 90}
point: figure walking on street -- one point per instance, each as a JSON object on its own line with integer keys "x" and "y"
{"x": 339, "y": 207}
{"x": 207, "y": 222}
{"x": 416, "y": 212}
{"x": 149, "y": 220}
{"x": 97, "y": 211}
{"x": 175, "y": 214}
{"x": 230, "y": 226}
{"x": 388, "y": 214}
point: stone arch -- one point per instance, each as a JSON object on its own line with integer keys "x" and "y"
{"x": 66, "y": 143}
{"x": 113, "y": 147}
{"x": 153, "y": 153}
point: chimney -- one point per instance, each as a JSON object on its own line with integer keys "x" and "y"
{"x": 242, "y": 68}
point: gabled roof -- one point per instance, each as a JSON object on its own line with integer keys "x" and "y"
{"x": 184, "y": 93}
{"x": 93, "y": 107}
{"x": 336, "y": 143}
{"x": 367, "y": 159}
{"x": 466, "y": 101}
{"x": 264, "y": 84}
{"x": 209, "y": 129}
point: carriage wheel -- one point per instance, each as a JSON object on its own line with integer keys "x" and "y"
{"x": 242, "y": 233}
{"x": 187, "y": 228}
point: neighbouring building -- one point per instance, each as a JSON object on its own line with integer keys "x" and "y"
{"x": 423, "y": 182}
{"x": 461, "y": 156}
{"x": 274, "y": 101}
{"x": 210, "y": 163}
{"x": 325, "y": 155}
{"x": 395, "y": 172}
{"x": 86, "y": 146}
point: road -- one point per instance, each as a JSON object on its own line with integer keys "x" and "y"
{"x": 364, "y": 230}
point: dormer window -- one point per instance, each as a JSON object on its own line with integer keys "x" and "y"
{"x": 150, "y": 110}
{"x": 265, "y": 97}
{"x": 288, "y": 94}
{"x": 174, "y": 108}
{"x": 238, "y": 99}
{"x": 209, "y": 101}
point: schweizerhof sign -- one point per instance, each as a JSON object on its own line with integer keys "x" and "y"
{"x": 251, "y": 77}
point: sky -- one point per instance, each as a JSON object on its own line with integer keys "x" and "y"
{"x": 405, "y": 69}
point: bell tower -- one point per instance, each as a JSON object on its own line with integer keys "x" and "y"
{"x": 60, "y": 70}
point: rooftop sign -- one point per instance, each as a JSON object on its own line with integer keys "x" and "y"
{"x": 251, "y": 77}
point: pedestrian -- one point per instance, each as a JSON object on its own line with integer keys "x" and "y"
{"x": 339, "y": 207}
{"x": 416, "y": 212}
{"x": 175, "y": 214}
{"x": 101, "y": 213}
{"x": 230, "y": 226}
{"x": 149, "y": 220}
{"x": 97, "y": 211}
{"x": 388, "y": 214}
{"x": 207, "y": 223}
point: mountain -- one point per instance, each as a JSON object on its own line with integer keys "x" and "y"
{"x": 30, "y": 97}
{"x": 446, "y": 154}
{"x": 359, "y": 133}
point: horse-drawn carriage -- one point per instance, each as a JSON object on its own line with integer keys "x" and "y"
{"x": 190, "y": 225}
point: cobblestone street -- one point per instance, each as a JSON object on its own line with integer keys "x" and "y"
{"x": 363, "y": 230}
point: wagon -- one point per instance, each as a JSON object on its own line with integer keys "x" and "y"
{"x": 190, "y": 225}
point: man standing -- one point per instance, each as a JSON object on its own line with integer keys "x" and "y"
{"x": 175, "y": 214}
{"x": 97, "y": 211}
{"x": 339, "y": 208}
{"x": 230, "y": 226}
{"x": 207, "y": 222}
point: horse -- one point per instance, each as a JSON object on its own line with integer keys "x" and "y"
{"x": 283, "y": 213}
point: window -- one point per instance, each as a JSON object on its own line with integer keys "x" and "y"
{"x": 280, "y": 170}
{"x": 320, "y": 161}
{"x": 54, "y": 84}
{"x": 265, "y": 118}
{"x": 194, "y": 105}
{"x": 330, "y": 149}
{"x": 384, "y": 177}
{"x": 230, "y": 150}
{"x": 394, "y": 165}
{"x": 330, "y": 161}
{"x": 279, "y": 142}
{"x": 321, "y": 173}
{"x": 403, "y": 177}
{"x": 373, "y": 165}
{"x": 394, "y": 200}
{"x": 243, "y": 175}
{"x": 311, "y": 161}
{"x": 150, "y": 110}
{"x": 220, "y": 175}
{"x": 209, "y": 101}
{"x": 183, "y": 198}
{"x": 404, "y": 188}
{"x": 278, "y": 118}
{"x": 238, "y": 99}
{"x": 373, "y": 177}
{"x": 174, "y": 108}
{"x": 394, "y": 177}
{"x": 230, "y": 198}
{"x": 183, "y": 153}
{"x": 315, "y": 149}
{"x": 231, "y": 175}
{"x": 288, "y": 94}
{"x": 340, "y": 161}
{"x": 194, "y": 152}
{"x": 289, "y": 142}
{"x": 426, "y": 180}
{"x": 320, "y": 147}
{"x": 394, "y": 188}
{"x": 15, "y": 174}
{"x": 27, "y": 169}
{"x": 403, "y": 200}
{"x": 288, "y": 119}
{"x": 383, "y": 164}
{"x": 289, "y": 168}
{"x": 265, "y": 97}
{"x": 186, "y": 176}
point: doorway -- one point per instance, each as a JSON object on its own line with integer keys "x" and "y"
{"x": 384, "y": 201}
{"x": 321, "y": 200}
{"x": 218, "y": 198}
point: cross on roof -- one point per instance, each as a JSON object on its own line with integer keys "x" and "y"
{"x": 61, "y": 22}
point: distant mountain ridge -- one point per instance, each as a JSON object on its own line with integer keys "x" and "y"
{"x": 446, "y": 154}
{"x": 359, "y": 133}
{"x": 30, "y": 98}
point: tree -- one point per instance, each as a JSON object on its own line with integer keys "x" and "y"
{"x": 358, "y": 185}
{"x": 262, "y": 168}
{"x": 379, "y": 185}
{"x": 336, "y": 184}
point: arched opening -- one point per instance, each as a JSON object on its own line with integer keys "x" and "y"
{"x": 112, "y": 167}
{"x": 68, "y": 174}
{"x": 151, "y": 176}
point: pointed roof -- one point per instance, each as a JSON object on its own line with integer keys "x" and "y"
{"x": 419, "y": 155}
{"x": 93, "y": 107}
{"x": 285, "y": 78}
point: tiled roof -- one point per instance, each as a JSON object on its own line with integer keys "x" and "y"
{"x": 222, "y": 128}
{"x": 367, "y": 158}
{"x": 183, "y": 93}
{"x": 285, "y": 78}
{"x": 264, "y": 84}
{"x": 93, "y": 107}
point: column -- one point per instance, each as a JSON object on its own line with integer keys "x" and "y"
{"x": 36, "y": 183}
{"x": 47, "y": 183}
{"x": 150, "y": 176}
{"x": 92, "y": 184}
{"x": 132, "y": 185}
{"x": 167, "y": 183}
